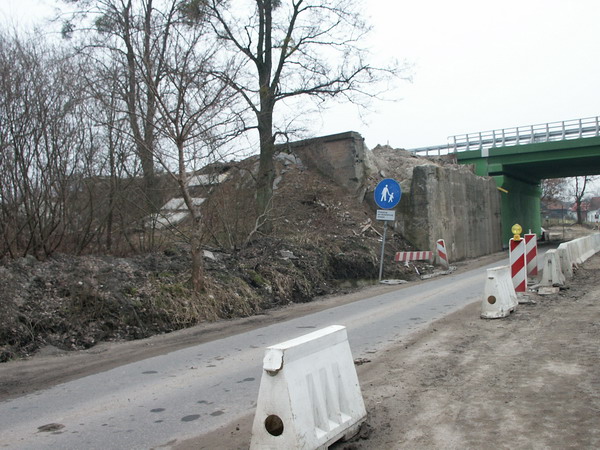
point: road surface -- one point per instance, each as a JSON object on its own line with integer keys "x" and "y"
{"x": 195, "y": 390}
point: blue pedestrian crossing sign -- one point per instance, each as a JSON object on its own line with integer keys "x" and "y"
{"x": 388, "y": 193}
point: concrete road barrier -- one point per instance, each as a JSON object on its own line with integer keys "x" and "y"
{"x": 584, "y": 247}
{"x": 309, "y": 395}
{"x": 499, "y": 296}
{"x": 551, "y": 273}
{"x": 577, "y": 251}
{"x": 564, "y": 258}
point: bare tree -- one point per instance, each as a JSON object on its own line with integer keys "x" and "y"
{"x": 134, "y": 34}
{"x": 45, "y": 146}
{"x": 554, "y": 189}
{"x": 193, "y": 117}
{"x": 580, "y": 184}
{"x": 288, "y": 49}
{"x": 112, "y": 182}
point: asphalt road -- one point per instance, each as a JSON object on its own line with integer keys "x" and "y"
{"x": 196, "y": 390}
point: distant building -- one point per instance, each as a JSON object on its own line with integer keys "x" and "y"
{"x": 593, "y": 216}
{"x": 557, "y": 209}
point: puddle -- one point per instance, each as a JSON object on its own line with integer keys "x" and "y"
{"x": 190, "y": 418}
{"x": 246, "y": 380}
{"x": 50, "y": 427}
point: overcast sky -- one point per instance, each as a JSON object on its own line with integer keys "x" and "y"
{"x": 477, "y": 65}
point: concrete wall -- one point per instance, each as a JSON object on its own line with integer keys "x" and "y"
{"x": 453, "y": 204}
{"x": 341, "y": 157}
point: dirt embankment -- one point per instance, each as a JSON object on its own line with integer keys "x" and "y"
{"x": 324, "y": 241}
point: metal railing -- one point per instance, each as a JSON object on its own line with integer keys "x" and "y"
{"x": 530, "y": 134}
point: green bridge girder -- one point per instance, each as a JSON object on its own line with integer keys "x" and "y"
{"x": 519, "y": 169}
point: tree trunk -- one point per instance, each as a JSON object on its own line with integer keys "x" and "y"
{"x": 266, "y": 167}
{"x": 144, "y": 138}
{"x": 264, "y": 181}
{"x": 197, "y": 278}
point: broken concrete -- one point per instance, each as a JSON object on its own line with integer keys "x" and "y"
{"x": 341, "y": 157}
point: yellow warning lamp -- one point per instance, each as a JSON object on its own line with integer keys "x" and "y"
{"x": 516, "y": 230}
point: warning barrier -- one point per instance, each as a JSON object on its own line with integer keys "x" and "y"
{"x": 517, "y": 265}
{"x": 442, "y": 253}
{"x": 413, "y": 256}
{"x": 531, "y": 255}
{"x": 309, "y": 396}
{"x": 499, "y": 296}
{"x": 551, "y": 273}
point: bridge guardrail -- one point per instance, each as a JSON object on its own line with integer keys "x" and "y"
{"x": 530, "y": 134}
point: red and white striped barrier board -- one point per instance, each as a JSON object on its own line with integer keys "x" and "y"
{"x": 442, "y": 253}
{"x": 412, "y": 256}
{"x": 518, "y": 268}
{"x": 531, "y": 254}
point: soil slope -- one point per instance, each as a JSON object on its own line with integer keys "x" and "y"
{"x": 323, "y": 241}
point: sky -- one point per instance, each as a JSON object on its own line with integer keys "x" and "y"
{"x": 476, "y": 65}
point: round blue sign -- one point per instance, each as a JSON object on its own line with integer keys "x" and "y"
{"x": 388, "y": 193}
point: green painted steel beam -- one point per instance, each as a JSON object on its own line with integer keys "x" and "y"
{"x": 539, "y": 161}
{"x": 518, "y": 171}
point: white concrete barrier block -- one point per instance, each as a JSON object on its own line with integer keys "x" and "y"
{"x": 309, "y": 394}
{"x": 499, "y": 296}
{"x": 582, "y": 249}
{"x": 587, "y": 249}
{"x": 591, "y": 246}
{"x": 551, "y": 273}
{"x": 573, "y": 252}
{"x": 596, "y": 237}
{"x": 564, "y": 257}
{"x": 596, "y": 242}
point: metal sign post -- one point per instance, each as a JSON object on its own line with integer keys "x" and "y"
{"x": 382, "y": 250}
{"x": 387, "y": 196}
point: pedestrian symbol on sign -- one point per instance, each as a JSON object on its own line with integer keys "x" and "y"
{"x": 384, "y": 193}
